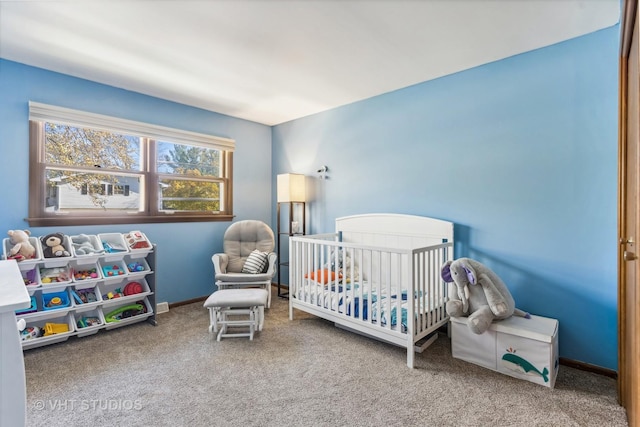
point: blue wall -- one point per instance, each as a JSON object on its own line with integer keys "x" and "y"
{"x": 184, "y": 249}
{"x": 521, "y": 154}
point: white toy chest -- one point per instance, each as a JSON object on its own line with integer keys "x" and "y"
{"x": 519, "y": 347}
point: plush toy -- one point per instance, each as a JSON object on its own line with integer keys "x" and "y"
{"x": 478, "y": 293}
{"x": 344, "y": 266}
{"x": 52, "y": 246}
{"x": 83, "y": 246}
{"x": 21, "y": 247}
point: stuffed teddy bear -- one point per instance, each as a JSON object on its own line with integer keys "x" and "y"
{"x": 52, "y": 246}
{"x": 478, "y": 293}
{"x": 21, "y": 248}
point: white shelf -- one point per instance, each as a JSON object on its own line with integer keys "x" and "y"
{"x": 13, "y": 296}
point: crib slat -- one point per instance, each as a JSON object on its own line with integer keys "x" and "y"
{"x": 361, "y": 315}
{"x": 400, "y": 271}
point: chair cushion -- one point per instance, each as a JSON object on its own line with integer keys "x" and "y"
{"x": 237, "y": 298}
{"x": 242, "y": 238}
{"x": 256, "y": 262}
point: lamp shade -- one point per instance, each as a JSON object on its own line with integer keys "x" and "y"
{"x": 291, "y": 188}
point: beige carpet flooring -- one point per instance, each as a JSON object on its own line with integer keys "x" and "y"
{"x": 303, "y": 372}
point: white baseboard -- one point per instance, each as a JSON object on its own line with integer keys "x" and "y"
{"x": 162, "y": 307}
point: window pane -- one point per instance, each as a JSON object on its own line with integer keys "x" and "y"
{"x": 189, "y": 195}
{"x": 68, "y": 145}
{"x": 82, "y": 191}
{"x": 188, "y": 160}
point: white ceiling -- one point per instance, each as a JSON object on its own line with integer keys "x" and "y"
{"x": 273, "y": 61}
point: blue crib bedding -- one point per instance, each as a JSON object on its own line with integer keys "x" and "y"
{"x": 347, "y": 299}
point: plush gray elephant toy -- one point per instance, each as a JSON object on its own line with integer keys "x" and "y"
{"x": 477, "y": 293}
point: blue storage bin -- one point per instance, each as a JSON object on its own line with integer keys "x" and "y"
{"x": 64, "y": 300}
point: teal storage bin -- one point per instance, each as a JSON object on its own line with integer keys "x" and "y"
{"x": 31, "y": 309}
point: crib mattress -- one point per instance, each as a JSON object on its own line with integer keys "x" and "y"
{"x": 351, "y": 299}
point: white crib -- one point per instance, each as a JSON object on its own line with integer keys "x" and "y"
{"x": 375, "y": 274}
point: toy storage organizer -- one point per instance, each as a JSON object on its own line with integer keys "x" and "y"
{"x": 522, "y": 348}
{"x": 87, "y": 292}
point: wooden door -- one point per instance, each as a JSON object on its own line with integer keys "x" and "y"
{"x": 628, "y": 262}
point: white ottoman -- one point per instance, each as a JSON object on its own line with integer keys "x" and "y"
{"x": 245, "y": 302}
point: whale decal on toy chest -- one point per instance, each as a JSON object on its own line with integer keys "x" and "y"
{"x": 512, "y": 361}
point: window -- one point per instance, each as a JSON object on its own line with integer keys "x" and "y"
{"x": 92, "y": 169}
{"x": 121, "y": 189}
{"x": 101, "y": 189}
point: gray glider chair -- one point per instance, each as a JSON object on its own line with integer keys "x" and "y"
{"x": 248, "y": 259}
